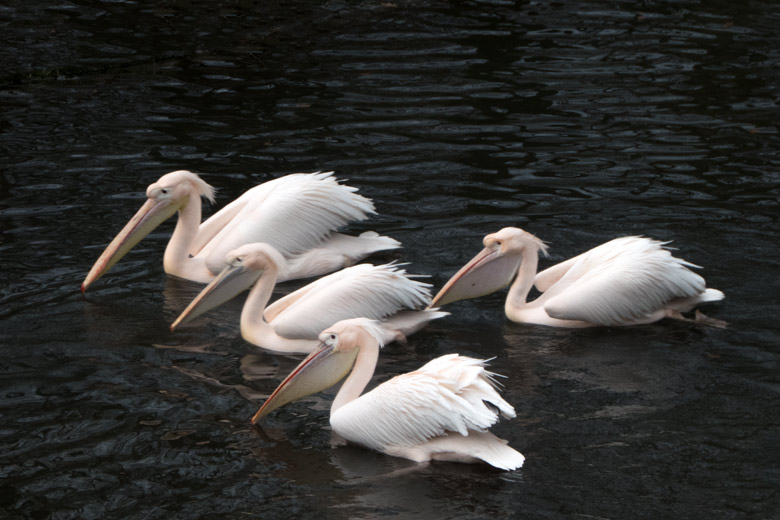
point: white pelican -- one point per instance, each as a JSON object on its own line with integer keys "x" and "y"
{"x": 437, "y": 412}
{"x": 293, "y": 323}
{"x": 296, "y": 213}
{"x": 627, "y": 281}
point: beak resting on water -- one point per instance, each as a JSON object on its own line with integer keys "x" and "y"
{"x": 230, "y": 282}
{"x": 153, "y": 213}
{"x": 321, "y": 369}
{"x": 486, "y": 273}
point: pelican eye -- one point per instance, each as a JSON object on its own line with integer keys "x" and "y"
{"x": 160, "y": 193}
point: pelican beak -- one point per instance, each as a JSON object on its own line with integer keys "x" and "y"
{"x": 152, "y": 214}
{"x": 486, "y": 273}
{"x": 230, "y": 282}
{"x": 321, "y": 369}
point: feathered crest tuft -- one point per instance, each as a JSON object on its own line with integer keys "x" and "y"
{"x": 371, "y": 327}
{"x": 203, "y": 188}
{"x": 539, "y": 243}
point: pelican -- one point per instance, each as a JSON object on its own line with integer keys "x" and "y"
{"x": 626, "y": 281}
{"x": 296, "y": 213}
{"x": 439, "y": 412}
{"x": 293, "y": 323}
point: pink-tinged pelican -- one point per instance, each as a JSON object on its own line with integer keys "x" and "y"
{"x": 296, "y": 213}
{"x": 293, "y": 323}
{"x": 437, "y": 412}
{"x": 626, "y": 281}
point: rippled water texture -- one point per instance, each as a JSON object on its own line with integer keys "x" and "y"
{"x": 579, "y": 121}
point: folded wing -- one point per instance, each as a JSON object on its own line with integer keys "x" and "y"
{"x": 293, "y": 213}
{"x": 620, "y": 282}
{"x": 363, "y": 290}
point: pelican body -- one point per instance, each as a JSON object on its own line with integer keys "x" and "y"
{"x": 441, "y": 411}
{"x": 293, "y": 323}
{"x": 626, "y": 281}
{"x": 297, "y": 214}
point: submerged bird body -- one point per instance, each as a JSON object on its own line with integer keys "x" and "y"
{"x": 441, "y": 411}
{"x": 297, "y": 214}
{"x": 626, "y": 281}
{"x": 293, "y": 323}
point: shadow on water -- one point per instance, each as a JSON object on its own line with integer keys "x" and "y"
{"x": 580, "y": 121}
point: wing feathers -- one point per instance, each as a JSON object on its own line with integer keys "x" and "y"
{"x": 477, "y": 445}
{"x": 365, "y": 290}
{"x": 451, "y": 393}
{"x": 622, "y": 281}
{"x": 315, "y": 203}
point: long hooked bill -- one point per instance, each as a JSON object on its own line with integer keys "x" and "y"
{"x": 321, "y": 369}
{"x": 152, "y": 214}
{"x": 230, "y": 282}
{"x": 486, "y": 273}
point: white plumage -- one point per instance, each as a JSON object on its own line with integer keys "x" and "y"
{"x": 293, "y": 323}
{"x": 440, "y": 412}
{"x": 297, "y": 214}
{"x": 626, "y": 281}
{"x": 375, "y": 291}
{"x": 623, "y": 281}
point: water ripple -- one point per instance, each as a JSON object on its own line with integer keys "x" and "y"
{"x": 580, "y": 121}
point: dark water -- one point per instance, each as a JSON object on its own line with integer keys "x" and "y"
{"x": 579, "y": 121}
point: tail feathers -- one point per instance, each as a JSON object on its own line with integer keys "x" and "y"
{"x": 371, "y": 242}
{"x": 476, "y": 445}
{"x": 359, "y": 247}
{"x": 405, "y": 323}
{"x": 336, "y": 252}
{"x": 711, "y": 295}
{"x": 687, "y": 304}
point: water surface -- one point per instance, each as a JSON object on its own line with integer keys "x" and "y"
{"x": 578, "y": 121}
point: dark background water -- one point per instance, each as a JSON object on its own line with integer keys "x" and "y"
{"x": 579, "y": 121}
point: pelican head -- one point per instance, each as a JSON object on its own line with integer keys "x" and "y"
{"x": 493, "y": 268}
{"x": 165, "y": 197}
{"x": 243, "y": 267}
{"x": 328, "y": 364}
